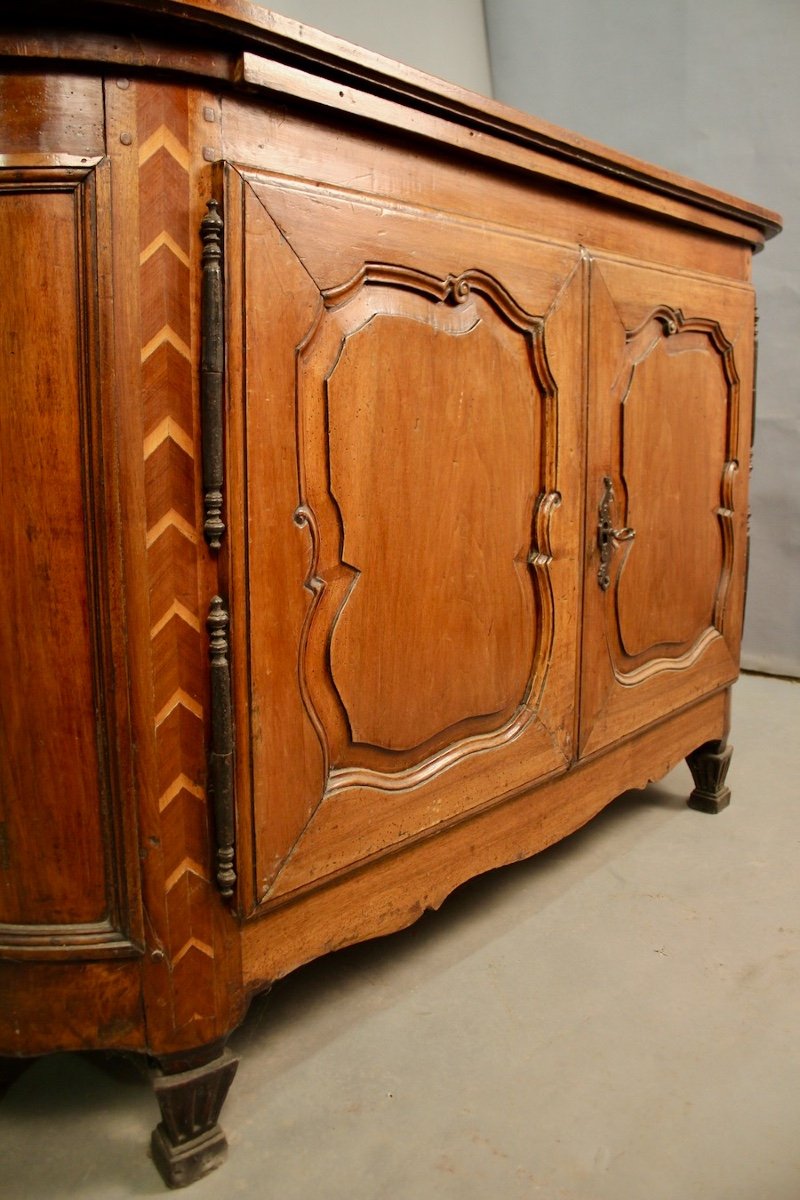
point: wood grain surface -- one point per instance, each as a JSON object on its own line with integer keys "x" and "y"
{"x": 487, "y": 414}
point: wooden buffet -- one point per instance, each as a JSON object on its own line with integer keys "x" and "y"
{"x": 374, "y": 491}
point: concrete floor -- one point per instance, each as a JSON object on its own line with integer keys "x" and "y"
{"x": 617, "y": 1019}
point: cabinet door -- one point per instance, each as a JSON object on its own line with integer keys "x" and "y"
{"x": 404, "y": 432}
{"x": 670, "y": 390}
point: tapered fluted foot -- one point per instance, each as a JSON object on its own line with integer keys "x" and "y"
{"x": 188, "y": 1142}
{"x": 709, "y": 766}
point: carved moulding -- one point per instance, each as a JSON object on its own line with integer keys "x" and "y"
{"x": 398, "y": 583}
{"x": 652, "y": 351}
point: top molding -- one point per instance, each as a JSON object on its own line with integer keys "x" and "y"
{"x": 251, "y": 47}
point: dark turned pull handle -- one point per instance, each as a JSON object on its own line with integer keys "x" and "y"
{"x": 608, "y": 538}
{"x": 212, "y": 365}
{"x": 220, "y": 759}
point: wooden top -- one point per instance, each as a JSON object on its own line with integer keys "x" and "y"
{"x": 253, "y": 48}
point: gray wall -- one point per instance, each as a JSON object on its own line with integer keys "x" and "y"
{"x": 710, "y": 88}
{"x": 443, "y": 37}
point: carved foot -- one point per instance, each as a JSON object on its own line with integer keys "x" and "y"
{"x": 709, "y": 766}
{"x": 188, "y": 1143}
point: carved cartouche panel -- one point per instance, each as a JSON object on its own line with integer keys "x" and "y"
{"x": 678, "y": 393}
{"x": 421, "y": 414}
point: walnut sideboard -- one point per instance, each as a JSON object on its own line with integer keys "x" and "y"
{"x": 374, "y": 510}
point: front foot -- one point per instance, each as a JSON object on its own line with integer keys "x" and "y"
{"x": 188, "y": 1142}
{"x": 709, "y": 766}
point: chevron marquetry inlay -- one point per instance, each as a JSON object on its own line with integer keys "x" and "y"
{"x": 164, "y": 239}
{"x": 168, "y": 430}
{"x": 182, "y": 784}
{"x": 171, "y": 518}
{"x": 186, "y": 864}
{"x": 166, "y": 334}
{"x": 176, "y": 609}
{"x": 192, "y": 944}
{"x": 164, "y": 138}
{"x": 170, "y": 454}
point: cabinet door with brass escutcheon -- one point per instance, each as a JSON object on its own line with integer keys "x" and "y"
{"x": 670, "y": 391}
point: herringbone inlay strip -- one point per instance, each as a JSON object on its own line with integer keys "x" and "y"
{"x": 170, "y": 456}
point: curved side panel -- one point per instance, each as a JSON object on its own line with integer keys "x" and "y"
{"x": 64, "y": 893}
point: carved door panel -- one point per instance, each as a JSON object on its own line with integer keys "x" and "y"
{"x": 404, "y": 423}
{"x": 670, "y": 390}
{"x": 65, "y": 890}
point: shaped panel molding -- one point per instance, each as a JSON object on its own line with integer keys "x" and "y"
{"x": 431, "y": 625}
{"x": 678, "y": 403}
